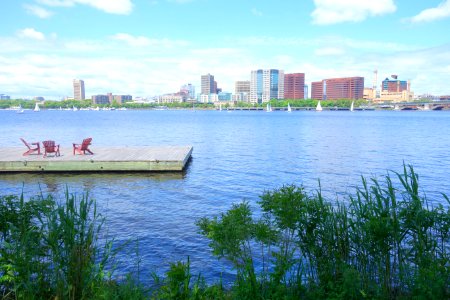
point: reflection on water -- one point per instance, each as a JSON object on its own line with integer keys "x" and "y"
{"x": 57, "y": 182}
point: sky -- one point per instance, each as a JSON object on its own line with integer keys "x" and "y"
{"x": 151, "y": 47}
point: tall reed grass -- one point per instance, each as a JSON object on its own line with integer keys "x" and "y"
{"x": 385, "y": 241}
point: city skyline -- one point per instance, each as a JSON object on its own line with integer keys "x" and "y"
{"x": 148, "y": 48}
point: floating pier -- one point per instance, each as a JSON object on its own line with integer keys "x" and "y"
{"x": 104, "y": 159}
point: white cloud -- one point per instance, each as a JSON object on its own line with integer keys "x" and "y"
{"x": 57, "y": 3}
{"x": 329, "y": 51}
{"x": 143, "y": 66}
{"x": 432, "y": 14}
{"x": 121, "y": 7}
{"x": 337, "y": 11}
{"x": 256, "y": 12}
{"x": 142, "y": 41}
{"x": 31, "y": 33}
{"x": 135, "y": 41}
{"x": 38, "y": 11}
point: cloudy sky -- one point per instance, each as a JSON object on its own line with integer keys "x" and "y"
{"x": 150, "y": 47}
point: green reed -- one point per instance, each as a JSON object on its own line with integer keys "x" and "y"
{"x": 385, "y": 242}
{"x": 51, "y": 249}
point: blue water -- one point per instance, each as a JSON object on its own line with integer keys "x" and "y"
{"x": 237, "y": 155}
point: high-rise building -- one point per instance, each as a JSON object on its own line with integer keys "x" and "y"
{"x": 266, "y": 85}
{"x": 294, "y": 86}
{"x": 78, "y": 89}
{"x": 338, "y": 88}
{"x": 208, "y": 84}
{"x": 394, "y": 85}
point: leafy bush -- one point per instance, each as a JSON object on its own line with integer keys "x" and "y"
{"x": 384, "y": 243}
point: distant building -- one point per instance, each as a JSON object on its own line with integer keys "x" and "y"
{"x": 403, "y": 96}
{"x": 203, "y": 98}
{"x": 78, "y": 89}
{"x": 241, "y": 90}
{"x": 109, "y": 98}
{"x": 208, "y": 85}
{"x": 100, "y": 99}
{"x": 224, "y": 96}
{"x": 242, "y": 86}
{"x": 120, "y": 99}
{"x": 338, "y": 88}
{"x": 189, "y": 89}
{"x": 170, "y": 98}
{"x": 394, "y": 85}
{"x": 369, "y": 94}
{"x": 294, "y": 86}
{"x": 394, "y": 90}
{"x": 444, "y": 98}
{"x": 241, "y": 97}
{"x": 4, "y": 97}
{"x": 266, "y": 85}
{"x": 38, "y": 98}
{"x": 317, "y": 90}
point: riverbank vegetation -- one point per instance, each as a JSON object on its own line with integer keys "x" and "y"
{"x": 385, "y": 241}
{"x": 69, "y": 104}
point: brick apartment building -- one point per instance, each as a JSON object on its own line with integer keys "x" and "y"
{"x": 338, "y": 88}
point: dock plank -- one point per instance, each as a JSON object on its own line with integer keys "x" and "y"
{"x": 163, "y": 158}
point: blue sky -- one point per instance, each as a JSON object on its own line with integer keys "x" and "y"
{"x": 150, "y": 47}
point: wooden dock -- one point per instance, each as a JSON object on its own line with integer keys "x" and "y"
{"x": 104, "y": 159}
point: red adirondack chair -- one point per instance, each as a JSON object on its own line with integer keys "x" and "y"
{"x": 83, "y": 147}
{"x": 50, "y": 147}
{"x": 30, "y": 148}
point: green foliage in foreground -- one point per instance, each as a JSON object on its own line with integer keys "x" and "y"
{"x": 384, "y": 242}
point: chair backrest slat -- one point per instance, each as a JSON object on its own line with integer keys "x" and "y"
{"x": 86, "y": 143}
{"x": 49, "y": 146}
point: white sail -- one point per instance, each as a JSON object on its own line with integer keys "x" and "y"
{"x": 351, "y": 107}
{"x": 289, "y": 108}
{"x": 20, "y": 110}
{"x": 268, "y": 108}
{"x": 319, "y": 107}
{"x": 74, "y": 108}
{"x": 220, "y": 106}
{"x": 36, "y": 107}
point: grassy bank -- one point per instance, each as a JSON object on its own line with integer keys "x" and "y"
{"x": 386, "y": 241}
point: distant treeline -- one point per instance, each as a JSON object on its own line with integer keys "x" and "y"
{"x": 387, "y": 241}
{"x": 49, "y": 104}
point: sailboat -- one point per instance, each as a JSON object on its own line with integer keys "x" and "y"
{"x": 319, "y": 107}
{"x": 351, "y": 106}
{"x": 20, "y": 110}
{"x": 74, "y": 108}
{"x": 220, "y": 106}
{"x": 289, "y": 108}
{"x": 268, "y": 108}
{"x": 36, "y": 107}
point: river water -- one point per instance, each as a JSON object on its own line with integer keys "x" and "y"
{"x": 237, "y": 155}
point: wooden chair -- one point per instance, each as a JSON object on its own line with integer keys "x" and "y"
{"x": 50, "y": 147}
{"x": 83, "y": 147}
{"x": 30, "y": 148}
